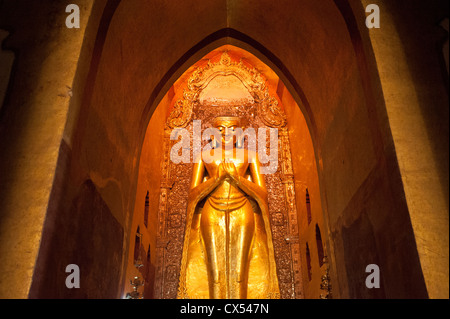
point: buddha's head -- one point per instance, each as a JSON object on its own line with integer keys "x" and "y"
{"x": 230, "y": 128}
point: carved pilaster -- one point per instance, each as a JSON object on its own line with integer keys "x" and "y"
{"x": 162, "y": 241}
{"x": 292, "y": 237}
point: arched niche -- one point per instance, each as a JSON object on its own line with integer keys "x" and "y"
{"x": 263, "y": 100}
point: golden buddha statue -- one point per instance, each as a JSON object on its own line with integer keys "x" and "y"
{"x": 228, "y": 251}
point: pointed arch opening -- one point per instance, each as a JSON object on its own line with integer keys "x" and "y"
{"x": 228, "y": 80}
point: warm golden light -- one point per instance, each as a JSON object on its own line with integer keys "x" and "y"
{"x": 229, "y": 251}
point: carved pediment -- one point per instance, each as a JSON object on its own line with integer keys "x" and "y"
{"x": 268, "y": 109}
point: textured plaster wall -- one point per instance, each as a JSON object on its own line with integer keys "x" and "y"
{"x": 412, "y": 75}
{"x": 31, "y": 126}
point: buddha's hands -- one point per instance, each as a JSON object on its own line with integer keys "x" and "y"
{"x": 231, "y": 171}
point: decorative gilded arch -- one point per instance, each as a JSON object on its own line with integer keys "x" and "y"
{"x": 267, "y": 105}
{"x": 264, "y": 111}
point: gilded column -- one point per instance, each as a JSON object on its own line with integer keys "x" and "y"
{"x": 292, "y": 237}
{"x": 161, "y": 239}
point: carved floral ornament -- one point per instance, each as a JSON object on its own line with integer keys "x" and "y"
{"x": 267, "y": 106}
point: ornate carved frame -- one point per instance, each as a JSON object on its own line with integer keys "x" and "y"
{"x": 272, "y": 116}
{"x": 268, "y": 108}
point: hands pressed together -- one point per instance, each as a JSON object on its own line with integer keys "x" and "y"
{"x": 227, "y": 171}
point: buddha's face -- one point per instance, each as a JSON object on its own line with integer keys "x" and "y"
{"x": 227, "y": 127}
